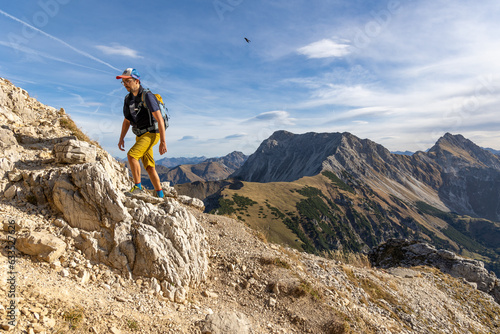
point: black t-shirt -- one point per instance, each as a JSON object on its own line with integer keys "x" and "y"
{"x": 135, "y": 111}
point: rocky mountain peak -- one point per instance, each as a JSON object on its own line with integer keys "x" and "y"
{"x": 452, "y": 151}
{"x": 285, "y": 156}
{"x": 233, "y": 160}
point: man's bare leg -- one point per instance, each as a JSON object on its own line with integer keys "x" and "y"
{"x": 153, "y": 176}
{"x": 135, "y": 168}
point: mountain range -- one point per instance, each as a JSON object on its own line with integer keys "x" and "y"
{"x": 454, "y": 174}
{"x": 186, "y": 170}
{"x": 334, "y": 191}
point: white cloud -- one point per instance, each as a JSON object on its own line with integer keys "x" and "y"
{"x": 325, "y": 48}
{"x": 119, "y": 50}
{"x": 277, "y": 117}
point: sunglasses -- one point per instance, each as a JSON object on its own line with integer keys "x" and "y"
{"x": 127, "y": 81}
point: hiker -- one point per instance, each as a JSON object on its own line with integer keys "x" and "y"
{"x": 142, "y": 112}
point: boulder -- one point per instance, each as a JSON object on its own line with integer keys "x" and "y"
{"x": 138, "y": 236}
{"x": 194, "y": 202}
{"x": 14, "y": 175}
{"x": 7, "y": 138}
{"x": 73, "y": 151}
{"x": 10, "y": 192}
{"x": 88, "y": 198}
{"x": 226, "y": 322}
{"x": 169, "y": 247}
{"x": 45, "y": 246}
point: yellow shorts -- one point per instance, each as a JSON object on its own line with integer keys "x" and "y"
{"x": 143, "y": 148}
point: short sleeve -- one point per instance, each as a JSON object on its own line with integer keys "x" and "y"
{"x": 152, "y": 102}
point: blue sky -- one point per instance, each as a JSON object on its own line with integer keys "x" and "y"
{"x": 401, "y": 73}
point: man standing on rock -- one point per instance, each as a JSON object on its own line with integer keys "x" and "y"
{"x": 141, "y": 110}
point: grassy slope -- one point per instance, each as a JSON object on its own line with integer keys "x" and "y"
{"x": 368, "y": 213}
{"x": 260, "y": 217}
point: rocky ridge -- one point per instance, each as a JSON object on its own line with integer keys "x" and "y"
{"x": 90, "y": 259}
{"x": 86, "y": 187}
{"x": 455, "y": 175}
{"x": 402, "y": 252}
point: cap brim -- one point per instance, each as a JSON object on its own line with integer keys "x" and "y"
{"x": 123, "y": 77}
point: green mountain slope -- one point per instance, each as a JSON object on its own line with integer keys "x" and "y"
{"x": 324, "y": 214}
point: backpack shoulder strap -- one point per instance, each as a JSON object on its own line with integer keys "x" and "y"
{"x": 127, "y": 97}
{"x": 126, "y": 103}
{"x": 143, "y": 97}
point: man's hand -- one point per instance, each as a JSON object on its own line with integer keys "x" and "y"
{"x": 121, "y": 145}
{"x": 163, "y": 148}
{"x": 121, "y": 142}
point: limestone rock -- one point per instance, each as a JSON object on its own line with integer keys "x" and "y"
{"x": 168, "y": 190}
{"x": 74, "y": 152}
{"x": 402, "y": 252}
{"x": 226, "y": 323}
{"x": 14, "y": 175}
{"x": 159, "y": 239}
{"x": 169, "y": 251}
{"x": 7, "y": 138}
{"x": 45, "y": 246}
{"x": 180, "y": 296}
{"x": 194, "y": 202}
{"x": 88, "y": 198}
{"x": 10, "y": 192}
{"x": 5, "y": 164}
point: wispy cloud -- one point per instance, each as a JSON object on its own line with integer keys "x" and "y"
{"x": 119, "y": 50}
{"x": 325, "y": 48}
{"x": 277, "y": 117}
{"x": 188, "y": 138}
{"x": 235, "y": 136}
{"x": 83, "y": 53}
{"x": 38, "y": 56}
{"x": 86, "y": 103}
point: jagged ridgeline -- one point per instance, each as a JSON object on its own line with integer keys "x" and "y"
{"x": 327, "y": 192}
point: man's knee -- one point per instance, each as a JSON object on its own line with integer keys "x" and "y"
{"x": 150, "y": 169}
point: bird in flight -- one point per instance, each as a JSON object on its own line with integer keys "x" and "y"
{"x": 246, "y": 39}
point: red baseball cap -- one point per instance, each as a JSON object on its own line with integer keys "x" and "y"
{"x": 129, "y": 73}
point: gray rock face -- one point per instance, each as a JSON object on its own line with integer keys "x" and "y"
{"x": 401, "y": 252}
{"x": 287, "y": 157}
{"x": 233, "y": 160}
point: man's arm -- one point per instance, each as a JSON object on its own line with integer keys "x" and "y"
{"x": 161, "y": 128}
{"x": 125, "y": 127}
